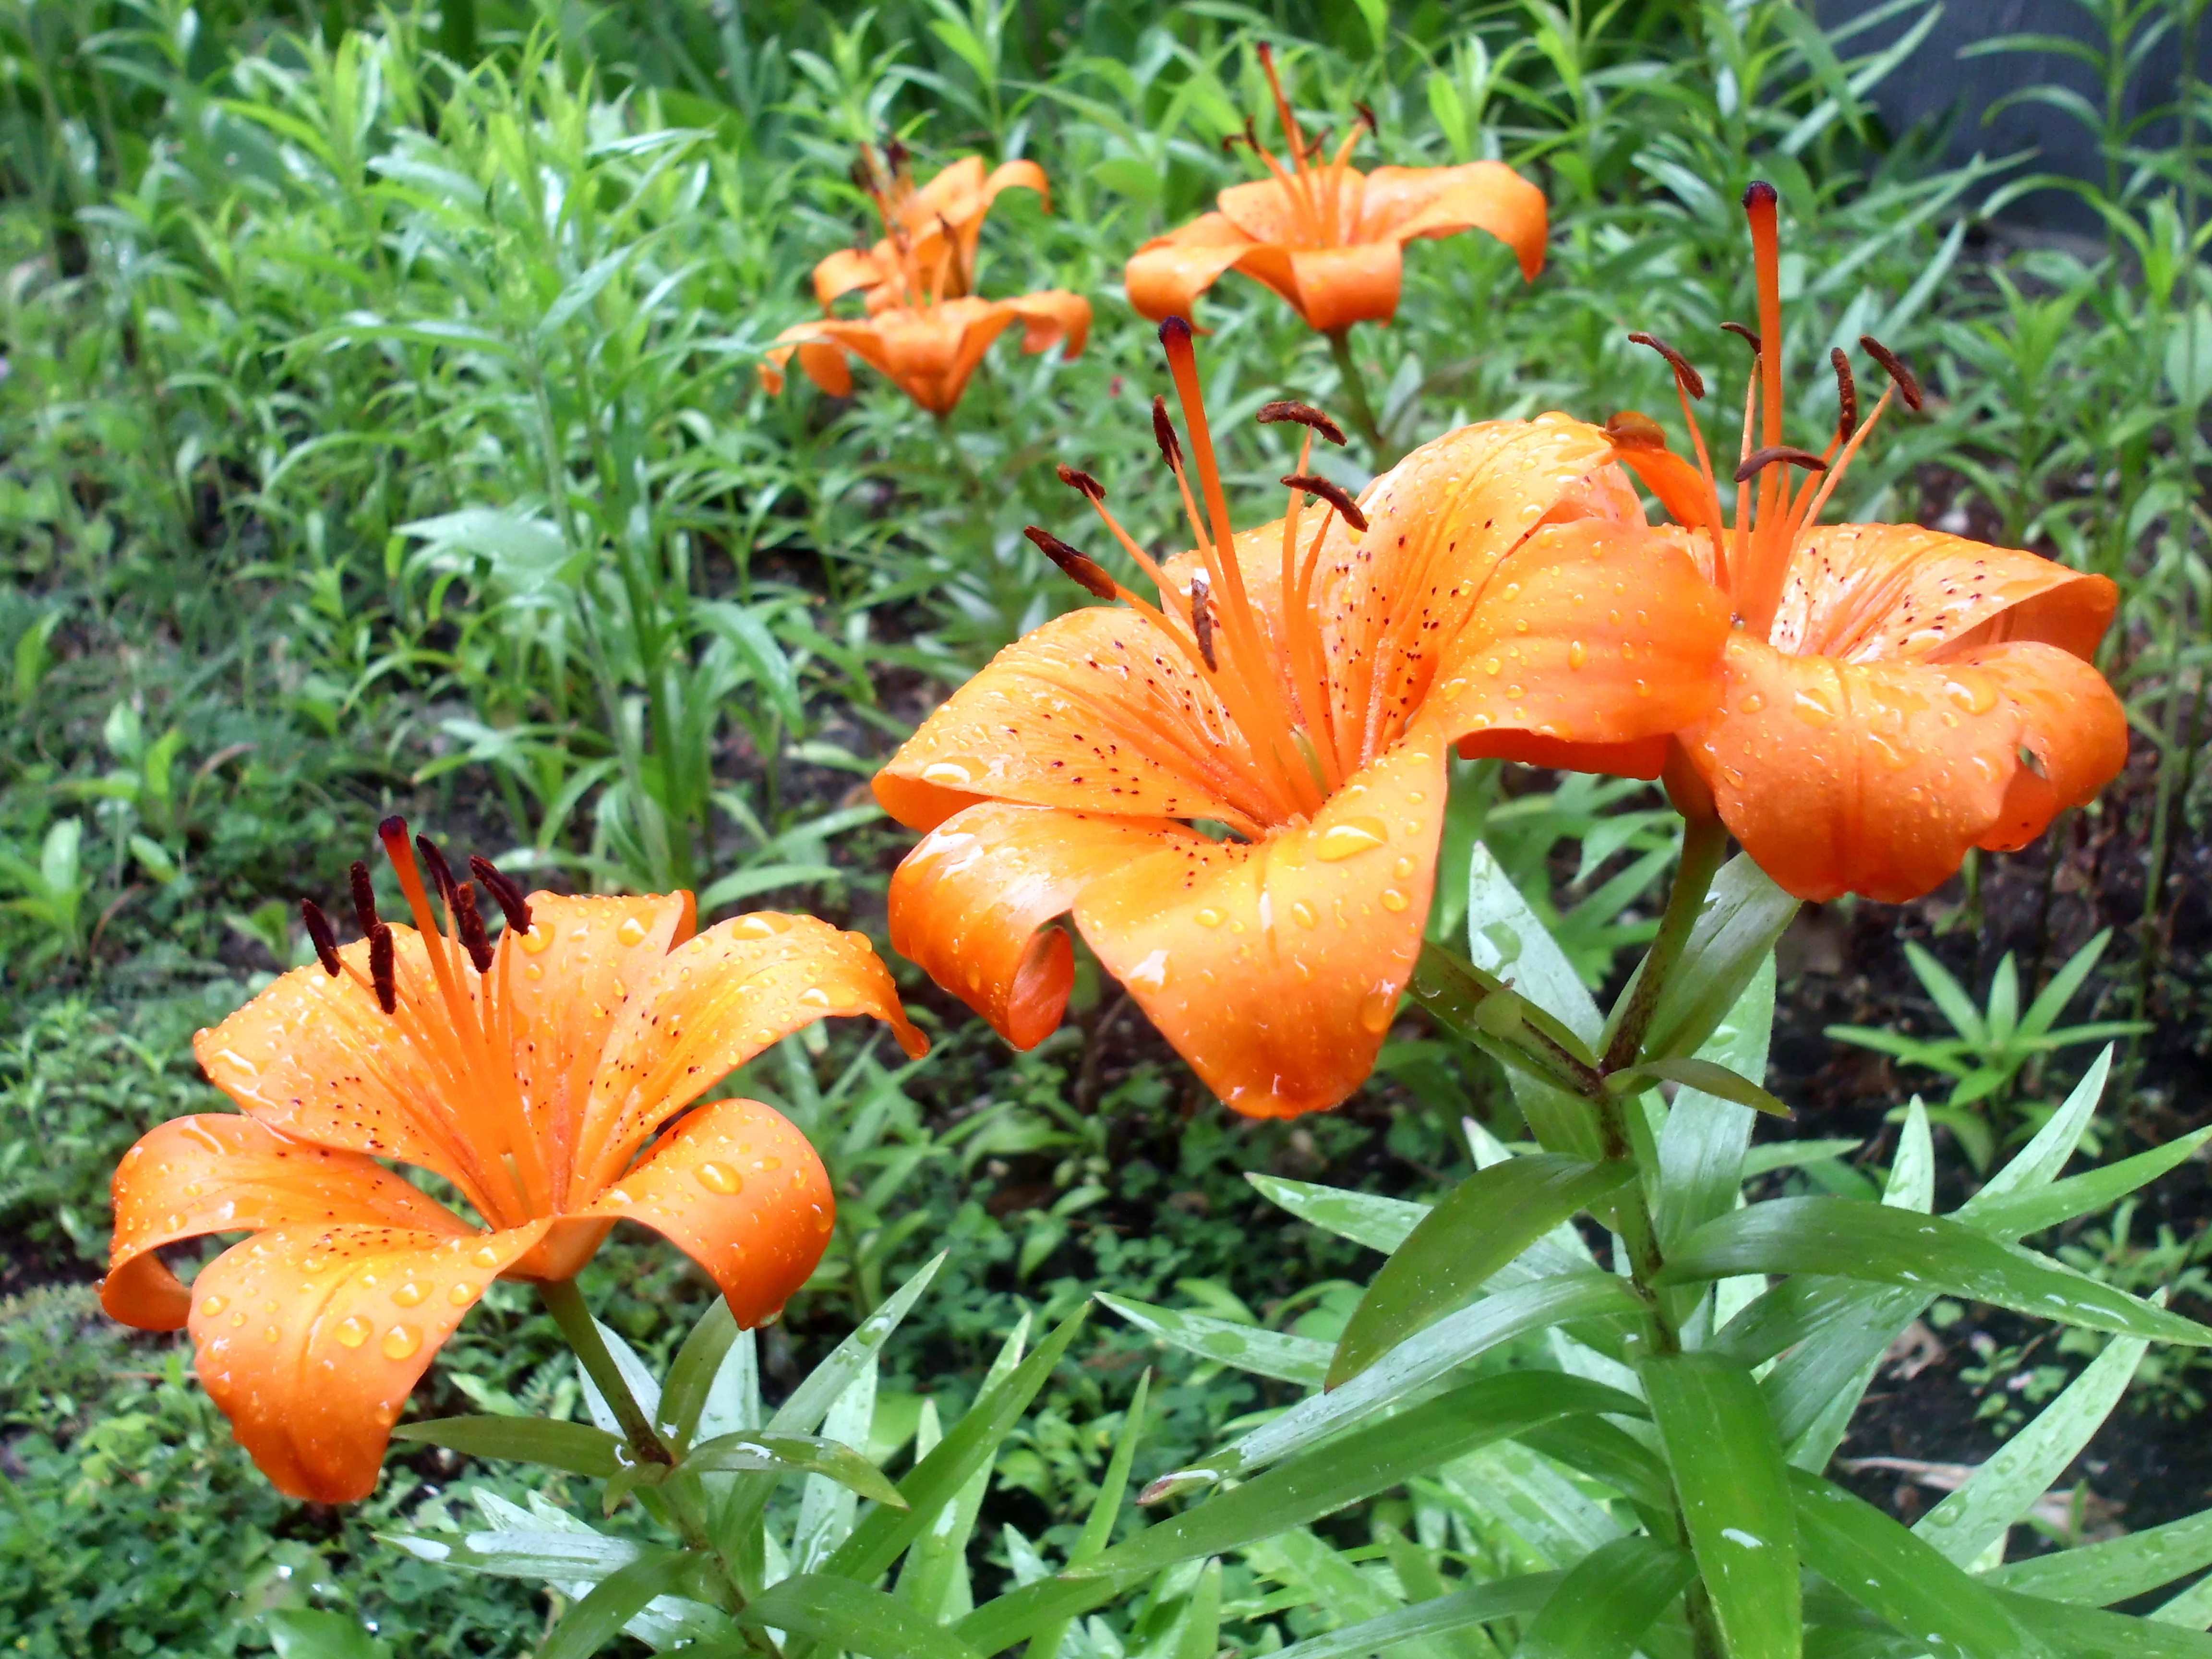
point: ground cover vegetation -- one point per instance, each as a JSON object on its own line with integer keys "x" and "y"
{"x": 383, "y": 430}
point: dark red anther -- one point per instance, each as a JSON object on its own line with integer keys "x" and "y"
{"x": 1685, "y": 376}
{"x": 1163, "y": 433}
{"x": 364, "y": 897}
{"x": 1289, "y": 409}
{"x": 1759, "y": 460}
{"x": 383, "y": 969}
{"x": 1201, "y": 621}
{"x": 1078, "y": 566}
{"x": 1908, "y": 383}
{"x": 469, "y": 925}
{"x": 1174, "y": 334}
{"x": 441, "y": 873}
{"x": 318, "y": 930}
{"x": 1076, "y": 478}
{"x": 1758, "y": 194}
{"x": 1367, "y": 115}
{"x": 1847, "y": 396}
{"x": 511, "y": 903}
{"x": 896, "y": 152}
{"x": 1336, "y": 495}
{"x": 1748, "y": 334}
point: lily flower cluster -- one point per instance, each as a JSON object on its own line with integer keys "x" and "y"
{"x": 1232, "y": 775}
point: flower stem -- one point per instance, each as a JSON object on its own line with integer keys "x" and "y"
{"x": 566, "y": 1303}
{"x": 1355, "y": 394}
{"x": 1704, "y": 840}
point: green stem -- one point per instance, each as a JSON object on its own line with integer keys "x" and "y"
{"x": 1355, "y": 396}
{"x": 1705, "y": 842}
{"x": 566, "y": 1303}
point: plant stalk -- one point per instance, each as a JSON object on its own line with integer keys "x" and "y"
{"x": 1704, "y": 843}
{"x": 1355, "y": 397}
{"x": 566, "y": 1303}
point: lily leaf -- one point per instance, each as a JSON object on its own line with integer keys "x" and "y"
{"x": 576, "y": 1447}
{"x": 793, "y": 1454}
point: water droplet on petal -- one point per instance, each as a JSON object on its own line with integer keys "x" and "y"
{"x": 1208, "y": 917}
{"x": 1376, "y": 1008}
{"x": 814, "y": 997}
{"x": 1754, "y": 702}
{"x": 212, "y": 1306}
{"x": 1393, "y": 900}
{"x": 1302, "y": 913}
{"x": 353, "y": 1331}
{"x": 485, "y": 1256}
{"x": 461, "y": 1293}
{"x": 1971, "y": 692}
{"x": 1342, "y": 841}
{"x": 632, "y": 931}
{"x": 1577, "y": 656}
{"x": 400, "y": 1341}
{"x": 539, "y": 936}
{"x": 949, "y": 774}
{"x": 407, "y": 1295}
{"x": 720, "y": 1178}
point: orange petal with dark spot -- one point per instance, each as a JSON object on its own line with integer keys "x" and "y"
{"x": 220, "y": 1173}
{"x": 310, "y": 1339}
{"x": 973, "y": 902}
{"x": 1275, "y": 967}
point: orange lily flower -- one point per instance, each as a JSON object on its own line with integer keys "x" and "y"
{"x": 530, "y": 1075}
{"x": 1895, "y": 696}
{"x": 1327, "y": 237}
{"x": 925, "y": 328}
{"x": 1294, "y": 690}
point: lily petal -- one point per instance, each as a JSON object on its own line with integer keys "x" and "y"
{"x": 1333, "y": 288}
{"x": 220, "y": 1172}
{"x": 1106, "y": 713}
{"x": 710, "y": 1006}
{"x": 310, "y": 1338}
{"x": 1165, "y": 277}
{"x": 971, "y": 904}
{"x": 1875, "y": 777}
{"x": 316, "y": 1058}
{"x": 737, "y": 1187}
{"x": 849, "y": 269}
{"x": 822, "y": 361}
{"x": 569, "y": 980}
{"x": 1274, "y": 967}
{"x": 1867, "y": 591}
{"x": 1405, "y": 203}
{"x": 1052, "y": 317}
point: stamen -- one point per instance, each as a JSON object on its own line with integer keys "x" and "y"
{"x": 1201, "y": 621}
{"x": 1685, "y": 376}
{"x": 1334, "y": 495}
{"x": 1759, "y": 460}
{"x": 1847, "y": 395}
{"x": 1291, "y": 131}
{"x": 1367, "y": 115}
{"x": 441, "y": 873}
{"x": 383, "y": 968}
{"x": 469, "y": 925}
{"x": 506, "y": 892}
{"x": 364, "y": 896}
{"x": 1632, "y": 429}
{"x": 1163, "y": 433}
{"x": 1749, "y": 336}
{"x": 1287, "y": 408}
{"x": 1908, "y": 383}
{"x": 327, "y": 942}
{"x": 1079, "y": 567}
{"x": 1075, "y": 478}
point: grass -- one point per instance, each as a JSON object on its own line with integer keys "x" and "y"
{"x": 382, "y": 431}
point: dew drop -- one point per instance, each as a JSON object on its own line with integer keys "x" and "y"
{"x": 539, "y": 936}
{"x": 950, "y": 775}
{"x": 814, "y": 997}
{"x": 353, "y": 1331}
{"x": 1811, "y": 710}
{"x": 632, "y": 931}
{"x": 1972, "y": 693}
{"x": 400, "y": 1341}
{"x": 407, "y": 1295}
{"x": 238, "y": 1319}
{"x": 1577, "y": 656}
{"x": 1493, "y": 668}
{"x": 1404, "y": 866}
{"x": 461, "y": 1293}
{"x": 1209, "y": 917}
{"x": 1753, "y": 703}
{"x": 270, "y": 1334}
{"x": 485, "y": 1256}
{"x": 1342, "y": 841}
{"x": 1393, "y": 900}
{"x": 212, "y": 1306}
{"x": 1376, "y": 1009}
{"x": 720, "y": 1178}
{"x": 1302, "y": 913}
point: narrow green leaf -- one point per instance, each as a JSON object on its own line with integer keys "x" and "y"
{"x": 2117, "y": 1569}
{"x": 692, "y": 1374}
{"x": 2088, "y": 1633}
{"x": 1901, "y": 1580}
{"x": 576, "y": 1447}
{"x": 1105, "y": 1509}
{"x": 561, "y": 1556}
{"x": 1389, "y": 1632}
{"x": 1506, "y": 938}
{"x": 2038, "y": 1163}
{"x": 1477, "y": 1228}
{"x": 1700, "y": 1074}
{"x": 1597, "y": 1448}
{"x": 1835, "y": 1236}
{"x": 1734, "y": 1489}
{"x": 793, "y": 1454}
{"x": 614, "y": 1601}
{"x": 299, "y": 1633}
{"x": 2016, "y": 1215}
{"x": 1703, "y": 1143}
{"x": 1608, "y": 1600}
{"x": 1443, "y": 1348}
{"x": 809, "y": 1402}
{"x": 1380, "y": 1223}
{"x": 1252, "y": 1348}
{"x": 2001, "y": 1491}
{"x": 971, "y": 1445}
{"x": 1743, "y": 915}
{"x": 1370, "y": 1460}
{"x": 1196, "y": 1633}
{"x": 837, "y": 1612}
